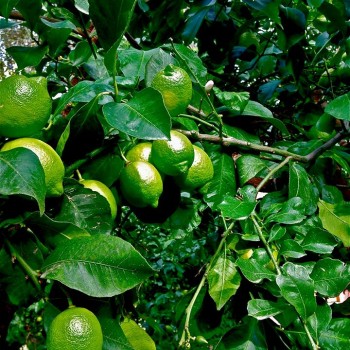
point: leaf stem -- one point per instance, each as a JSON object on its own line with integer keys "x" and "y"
{"x": 186, "y": 336}
{"x": 314, "y": 346}
{"x": 33, "y": 275}
{"x": 254, "y": 217}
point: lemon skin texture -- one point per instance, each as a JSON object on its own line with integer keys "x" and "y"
{"x": 49, "y": 159}
{"x": 104, "y": 191}
{"x": 200, "y": 172}
{"x": 175, "y": 85}
{"x": 173, "y": 157}
{"x": 25, "y": 106}
{"x": 141, "y": 184}
{"x": 141, "y": 151}
{"x": 76, "y": 328}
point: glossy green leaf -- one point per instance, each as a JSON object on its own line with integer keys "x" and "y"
{"x": 336, "y": 219}
{"x": 262, "y": 309}
{"x": 256, "y": 109}
{"x": 133, "y": 62}
{"x": 291, "y": 212}
{"x": 248, "y": 167}
{"x": 224, "y": 181}
{"x": 99, "y": 265}
{"x": 297, "y": 288}
{"x": 82, "y": 6}
{"x": 236, "y": 101}
{"x": 111, "y": 19}
{"x": 291, "y": 249}
{"x": 236, "y": 209}
{"x": 144, "y": 116}
{"x": 137, "y": 336}
{"x": 224, "y": 281}
{"x": 22, "y": 174}
{"x": 339, "y": 107}
{"x": 6, "y": 7}
{"x": 27, "y": 56}
{"x": 320, "y": 320}
{"x": 113, "y": 335}
{"x": 301, "y": 186}
{"x": 85, "y": 208}
{"x": 331, "y": 276}
{"x": 319, "y": 241}
{"x": 277, "y": 232}
{"x": 254, "y": 271}
{"x": 80, "y": 54}
{"x": 336, "y": 336}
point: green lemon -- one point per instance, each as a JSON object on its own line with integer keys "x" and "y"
{"x": 200, "y": 172}
{"x": 141, "y": 184}
{"x": 76, "y": 328}
{"x": 49, "y": 159}
{"x": 173, "y": 157}
{"x": 175, "y": 85}
{"x": 104, "y": 191}
{"x": 141, "y": 151}
{"x": 25, "y": 106}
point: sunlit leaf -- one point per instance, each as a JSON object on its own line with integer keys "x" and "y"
{"x": 137, "y": 336}
{"x": 99, "y": 265}
{"x": 262, "y": 309}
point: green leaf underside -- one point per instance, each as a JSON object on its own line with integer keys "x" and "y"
{"x": 224, "y": 281}
{"x": 21, "y": 173}
{"x": 99, "y": 266}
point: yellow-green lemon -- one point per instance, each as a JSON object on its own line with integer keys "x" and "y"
{"x": 25, "y": 106}
{"x": 76, "y": 328}
{"x": 175, "y": 85}
{"x": 173, "y": 157}
{"x": 200, "y": 172}
{"x": 50, "y": 161}
{"x": 141, "y": 184}
{"x": 141, "y": 151}
{"x": 104, "y": 191}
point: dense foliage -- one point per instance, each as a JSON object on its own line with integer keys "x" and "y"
{"x": 261, "y": 259}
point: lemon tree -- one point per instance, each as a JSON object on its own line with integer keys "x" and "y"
{"x": 25, "y": 105}
{"x": 213, "y": 140}
{"x": 75, "y": 328}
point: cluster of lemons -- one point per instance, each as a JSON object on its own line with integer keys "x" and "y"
{"x": 141, "y": 181}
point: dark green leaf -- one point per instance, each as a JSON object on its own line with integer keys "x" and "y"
{"x": 224, "y": 281}
{"x": 319, "y": 241}
{"x": 301, "y": 186}
{"x": 80, "y": 54}
{"x": 297, "y": 288}
{"x": 85, "y": 208}
{"x": 26, "y": 56}
{"x": 336, "y": 220}
{"x": 277, "y": 232}
{"x": 248, "y": 167}
{"x": 224, "y": 180}
{"x": 291, "y": 249}
{"x": 254, "y": 271}
{"x": 336, "y": 336}
{"x": 319, "y": 321}
{"x": 6, "y": 7}
{"x": 340, "y": 107}
{"x": 291, "y": 212}
{"x": 236, "y": 101}
{"x": 99, "y": 266}
{"x": 262, "y": 309}
{"x": 21, "y": 173}
{"x": 111, "y": 19}
{"x": 144, "y": 116}
{"x": 236, "y": 209}
{"x": 331, "y": 276}
{"x": 247, "y": 335}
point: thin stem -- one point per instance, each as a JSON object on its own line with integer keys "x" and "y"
{"x": 188, "y": 311}
{"x": 200, "y": 121}
{"x": 314, "y": 346}
{"x": 33, "y": 275}
{"x": 272, "y": 172}
{"x": 254, "y": 217}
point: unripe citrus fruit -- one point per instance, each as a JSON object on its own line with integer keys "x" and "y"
{"x": 104, "y": 191}
{"x": 173, "y": 157}
{"x": 49, "y": 159}
{"x": 141, "y": 151}
{"x": 141, "y": 184}
{"x": 76, "y": 328}
{"x": 200, "y": 172}
{"x": 25, "y": 105}
{"x": 175, "y": 85}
